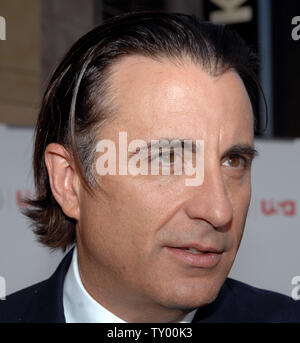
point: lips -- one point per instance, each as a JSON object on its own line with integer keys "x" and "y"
{"x": 195, "y": 255}
{"x": 193, "y": 251}
{"x": 198, "y": 249}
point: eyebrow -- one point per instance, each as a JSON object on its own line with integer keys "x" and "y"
{"x": 236, "y": 149}
{"x": 165, "y": 142}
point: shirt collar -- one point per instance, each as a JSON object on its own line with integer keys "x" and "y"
{"x": 80, "y": 307}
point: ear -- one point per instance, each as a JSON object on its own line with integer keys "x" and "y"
{"x": 64, "y": 181}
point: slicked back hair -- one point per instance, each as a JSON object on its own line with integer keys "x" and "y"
{"x": 77, "y": 101}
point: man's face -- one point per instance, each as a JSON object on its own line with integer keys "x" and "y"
{"x": 132, "y": 237}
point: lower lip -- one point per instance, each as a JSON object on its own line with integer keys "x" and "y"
{"x": 206, "y": 260}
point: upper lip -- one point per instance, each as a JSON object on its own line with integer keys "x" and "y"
{"x": 199, "y": 247}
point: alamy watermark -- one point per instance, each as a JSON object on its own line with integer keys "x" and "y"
{"x": 231, "y": 12}
{"x": 157, "y": 157}
{"x": 296, "y": 29}
{"x": 295, "y": 294}
{"x": 2, "y": 28}
{"x": 2, "y": 288}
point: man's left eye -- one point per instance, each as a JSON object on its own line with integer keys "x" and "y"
{"x": 235, "y": 162}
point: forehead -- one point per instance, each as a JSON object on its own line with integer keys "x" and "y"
{"x": 172, "y": 98}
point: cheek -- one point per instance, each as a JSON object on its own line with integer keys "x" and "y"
{"x": 240, "y": 199}
{"x": 128, "y": 212}
{"x": 147, "y": 198}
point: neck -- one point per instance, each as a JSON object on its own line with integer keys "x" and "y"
{"x": 129, "y": 305}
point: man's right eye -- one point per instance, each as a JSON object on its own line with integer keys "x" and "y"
{"x": 168, "y": 158}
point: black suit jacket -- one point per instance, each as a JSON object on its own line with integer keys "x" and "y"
{"x": 236, "y": 302}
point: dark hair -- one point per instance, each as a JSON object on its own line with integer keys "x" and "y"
{"x": 76, "y": 101}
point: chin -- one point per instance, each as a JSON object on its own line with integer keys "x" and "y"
{"x": 189, "y": 297}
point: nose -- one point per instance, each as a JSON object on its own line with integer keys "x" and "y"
{"x": 210, "y": 201}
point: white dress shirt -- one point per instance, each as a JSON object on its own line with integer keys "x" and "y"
{"x": 80, "y": 307}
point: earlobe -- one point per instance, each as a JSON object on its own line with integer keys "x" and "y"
{"x": 63, "y": 179}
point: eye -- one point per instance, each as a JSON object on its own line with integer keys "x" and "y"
{"x": 166, "y": 157}
{"x": 235, "y": 161}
